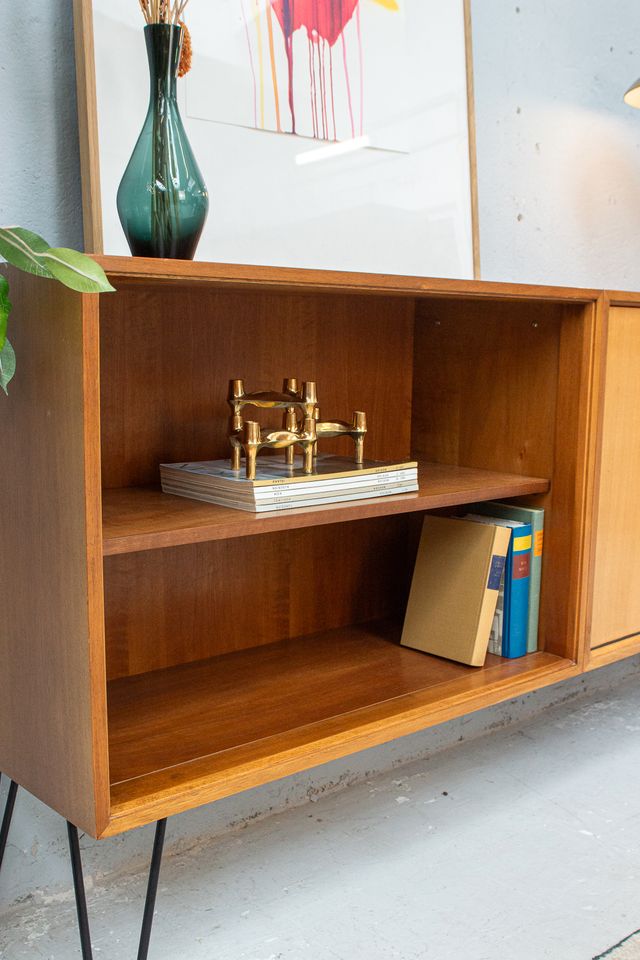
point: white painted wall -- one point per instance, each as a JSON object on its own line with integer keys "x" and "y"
{"x": 559, "y": 176}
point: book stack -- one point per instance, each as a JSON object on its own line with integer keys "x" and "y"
{"x": 280, "y": 486}
{"x": 455, "y": 588}
{"x": 508, "y": 637}
{"x": 515, "y": 628}
{"x": 476, "y": 584}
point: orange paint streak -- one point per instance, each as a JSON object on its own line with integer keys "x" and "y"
{"x": 260, "y": 61}
{"x": 274, "y": 76}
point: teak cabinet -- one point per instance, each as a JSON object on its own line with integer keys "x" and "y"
{"x": 159, "y": 653}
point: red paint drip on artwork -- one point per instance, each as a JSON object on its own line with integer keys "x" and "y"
{"x": 322, "y": 19}
{"x": 325, "y": 22}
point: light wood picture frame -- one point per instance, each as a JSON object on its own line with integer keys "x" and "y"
{"x": 404, "y": 217}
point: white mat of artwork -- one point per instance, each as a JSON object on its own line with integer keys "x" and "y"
{"x": 379, "y": 180}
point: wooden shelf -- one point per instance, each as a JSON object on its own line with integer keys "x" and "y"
{"x": 143, "y": 518}
{"x": 140, "y": 270}
{"x": 220, "y": 725}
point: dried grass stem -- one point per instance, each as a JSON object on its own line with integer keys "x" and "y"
{"x": 163, "y": 11}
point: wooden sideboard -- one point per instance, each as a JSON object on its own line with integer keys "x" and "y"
{"x": 159, "y": 653}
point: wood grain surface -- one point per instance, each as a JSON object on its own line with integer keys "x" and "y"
{"x": 168, "y": 355}
{"x": 53, "y": 738}
{"x": 88, "y": 125}
{"x": 136, "y": 271}
{"x": 508, "y": 384}
{"x": 612, "y": 652}
{"x": 173, "y": 606}
{"x": 365, "y": 690}
{"x": 174, "y": 716}
{"x": 616, "y": 597}
{"x": 473, "y": 145}
{"x": 143, "y": 518}
{"x": 568, "y": 546}
{"x": 494, "y": 386}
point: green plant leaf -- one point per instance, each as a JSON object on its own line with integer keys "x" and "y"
{"x": 76, "y": 270}
{"x": 7, "y": 365}
{"x": 31, "y": 253}
{"x": 5, "y": 310}
{"x": 24, "y": 250}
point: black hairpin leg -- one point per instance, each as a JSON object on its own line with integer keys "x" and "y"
{"x": 6, "y": 820}
{"x": 150, "y": 902}
{"x": 78, "y": 878}
{"x": 152, "y": 889}
{"x": 78, "y": 885}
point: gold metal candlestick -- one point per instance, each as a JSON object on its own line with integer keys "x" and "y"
{"x": 301, "y": 425}
{"x": 357, "y": 429}
{"x": 290, "y": 423}
{"x": 292, "y": 398}
{"x": 302, "y": 398}
{"x": 251, "y": 439}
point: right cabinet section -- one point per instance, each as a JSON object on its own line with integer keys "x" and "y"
{"x": 616, "y": 587}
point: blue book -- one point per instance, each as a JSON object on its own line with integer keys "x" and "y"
{"x": 534, "y": 516}
{"x": 517, "y": 578}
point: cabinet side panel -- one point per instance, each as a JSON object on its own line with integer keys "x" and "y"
{"x": 616, "y": 598}
{"x": 565, "y": 580}
{"x": 52, "y": 729}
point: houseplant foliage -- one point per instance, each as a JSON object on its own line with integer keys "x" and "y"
{"x": 29, "y": 252}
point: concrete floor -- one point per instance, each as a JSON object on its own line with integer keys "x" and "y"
{"x": 520, "y": 845}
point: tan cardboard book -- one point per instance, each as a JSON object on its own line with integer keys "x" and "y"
{"x": 455, "y": 588}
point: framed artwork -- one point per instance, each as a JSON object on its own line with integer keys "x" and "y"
{"x": 331, "y": 134}
{"x": 333, "y": 71}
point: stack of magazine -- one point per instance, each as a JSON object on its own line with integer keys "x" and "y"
{"x": 280, "y": 486}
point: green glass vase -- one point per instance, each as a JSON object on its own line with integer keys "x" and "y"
{"x": 162, "y": 199}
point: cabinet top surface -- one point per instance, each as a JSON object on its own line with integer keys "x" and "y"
{"x": 139, "y": 269}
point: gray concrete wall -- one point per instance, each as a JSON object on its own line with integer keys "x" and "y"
{"x": 559, "y": 165}
{"x": 558, "y": 150}
{"x": 39, "y": 162}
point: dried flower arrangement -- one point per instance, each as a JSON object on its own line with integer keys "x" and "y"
{"x": 163, "y": 11}
{"x": 170, "y": 12}
{"x": 186, "y": 54}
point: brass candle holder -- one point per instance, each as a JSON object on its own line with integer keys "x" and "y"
{"x": 304, "y": 398}
{"x": 357, "y": 429}
{"x": 252, "y": 439}
{"x": 301, "y": 426}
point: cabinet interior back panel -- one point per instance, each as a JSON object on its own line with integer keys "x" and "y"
{"x": 165, "y": 607}
{"x": 168, "y": 354}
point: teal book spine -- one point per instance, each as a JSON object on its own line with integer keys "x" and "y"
{"x": 534, "y": 516}
{"x": 516, "y": 593}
